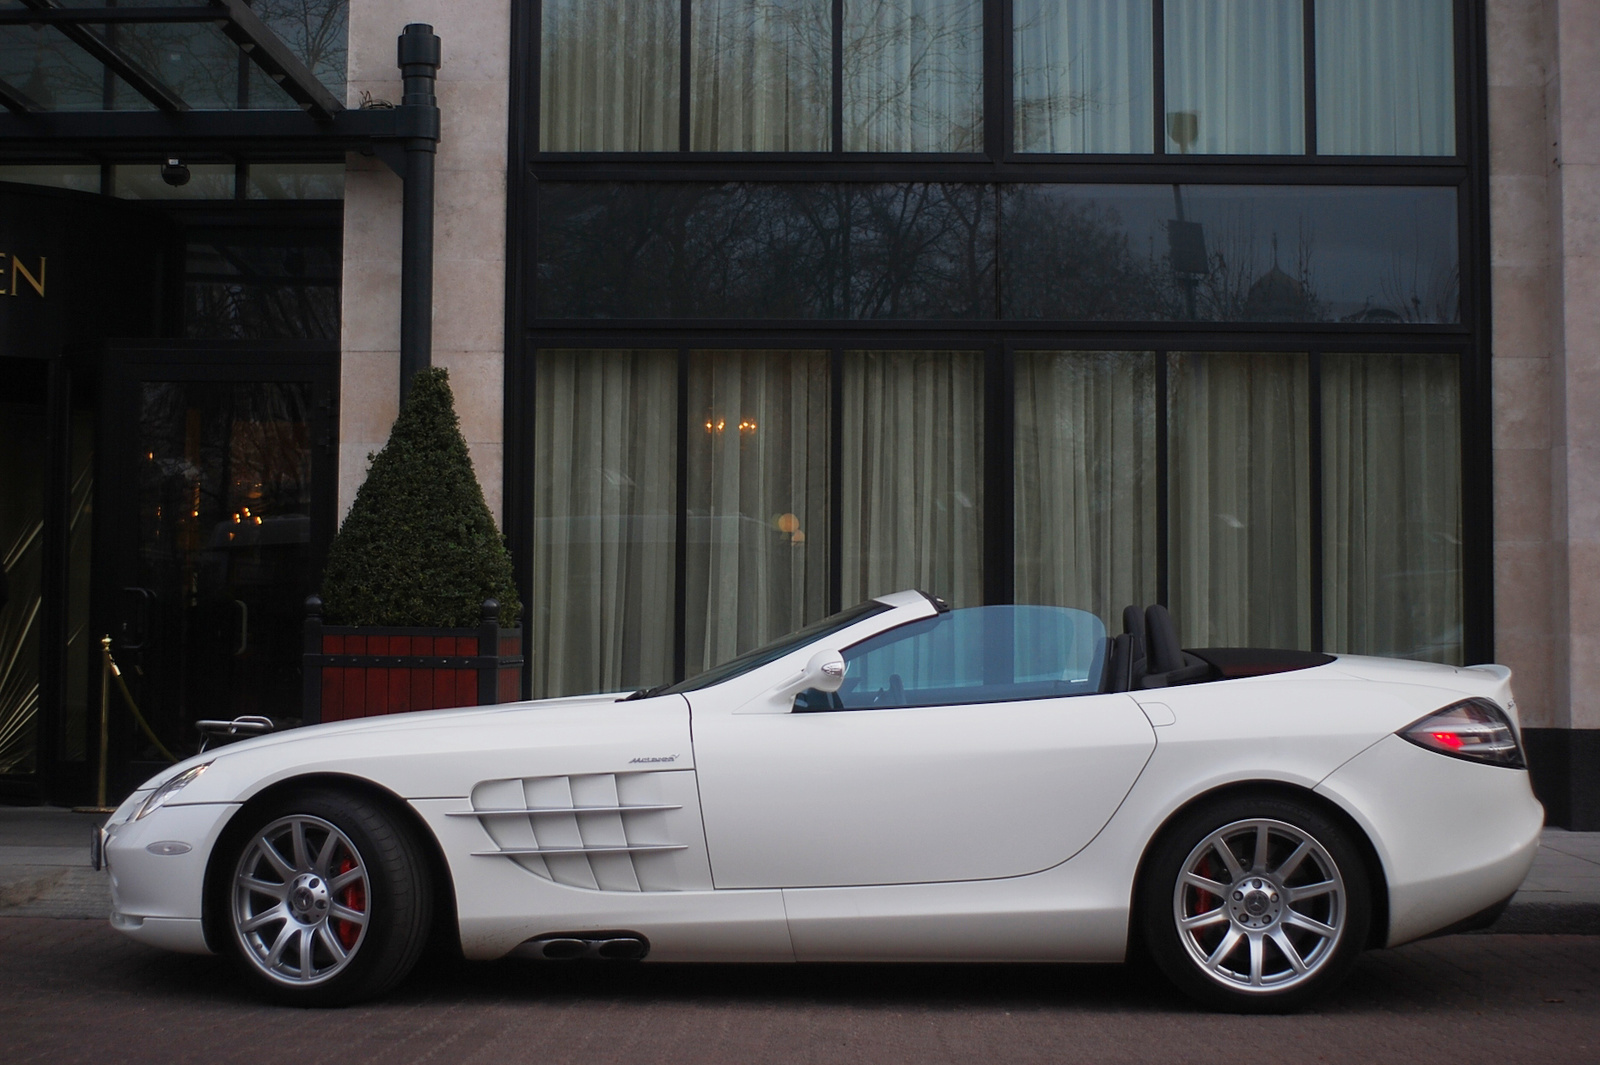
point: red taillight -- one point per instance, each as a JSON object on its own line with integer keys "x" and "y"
{"x": 1475, "y": 729}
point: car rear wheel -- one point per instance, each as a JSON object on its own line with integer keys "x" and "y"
{"x": 327, "y": 901}
{"x": 1255, "y": 904}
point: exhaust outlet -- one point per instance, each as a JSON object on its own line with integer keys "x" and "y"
{"x": 578, "y": 946}
{"x": 624, "y": 948}
{"x": 563, "y": 949}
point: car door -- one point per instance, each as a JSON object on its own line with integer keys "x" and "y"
{"x": 966, "y": 746}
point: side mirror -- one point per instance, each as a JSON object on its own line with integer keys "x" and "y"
{"x": 825, "y": 672}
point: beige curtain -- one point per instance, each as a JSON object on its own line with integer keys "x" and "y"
{"x": 1085, "y": 458}
{"x": 913, "y": 75}
{"x": 762, "y": 75}
{"x": 757, "y": 547}
{"x": 1240, "y": 536}
{"x": 605, "y": 520}
{"x": 608, "y": 76}
{"x": 1081, "y": 76}
{"x": 912, "y": 476}
{"x": 1391, "y": 430}
{"x": 1386, "y": 77}
{"x": 1238, "y": 66}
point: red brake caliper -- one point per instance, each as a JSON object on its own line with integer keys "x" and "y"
{"x": 353, "y": 897}
{"x": 1203, "y": 899}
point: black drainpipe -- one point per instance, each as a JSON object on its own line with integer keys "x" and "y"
{"x": 419, "y": 54}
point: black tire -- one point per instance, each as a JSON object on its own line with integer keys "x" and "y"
{"x": 339, "y": 917}
{"x": 1290, "y": 923}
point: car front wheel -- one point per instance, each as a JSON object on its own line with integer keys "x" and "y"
{"x": 328, "y": 900}
{"x": 1255, "y": 904}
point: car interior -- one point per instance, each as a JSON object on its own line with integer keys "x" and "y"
{"x": 1147, "y": 655}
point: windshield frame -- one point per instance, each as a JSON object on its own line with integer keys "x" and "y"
{"x": 770, "y": 652}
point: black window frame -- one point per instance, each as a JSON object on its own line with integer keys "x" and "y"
{"x": 1469, "y": 339}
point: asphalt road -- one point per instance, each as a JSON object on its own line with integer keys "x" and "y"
{"x": 75, "y": 991}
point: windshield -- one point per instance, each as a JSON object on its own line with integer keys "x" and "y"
{"x": 775, "y": 650}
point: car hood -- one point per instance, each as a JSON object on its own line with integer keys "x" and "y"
{"x": 447, "y": 752}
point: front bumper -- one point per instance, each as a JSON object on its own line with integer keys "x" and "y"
{"x": 1455, "y": 837}
{"x": 158, "y": 870}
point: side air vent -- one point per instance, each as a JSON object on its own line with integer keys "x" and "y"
{"x": 603, "y": 831}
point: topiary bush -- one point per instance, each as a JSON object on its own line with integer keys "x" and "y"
{"x": 419, "y": 546}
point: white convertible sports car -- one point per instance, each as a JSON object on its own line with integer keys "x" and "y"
{"x": 898, "y": 782}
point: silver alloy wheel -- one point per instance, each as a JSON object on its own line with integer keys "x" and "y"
{"x": 301, "y": 899}
{"x": 1260, "y": 906}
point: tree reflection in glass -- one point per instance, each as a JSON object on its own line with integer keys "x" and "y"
{"x": 194, "y": 60}
{"x": 913, "y": 75}
{"x": 766, "y": 250}
{"x": 762, "y": 75}
{"x": 608, "y": 75}
{"x": 1082, "y": 76}
{"x": 1266, "y": 254}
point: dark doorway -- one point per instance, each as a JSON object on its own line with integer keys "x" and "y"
{"x": 23, "y": 468}
{"x": 218, "y": 472}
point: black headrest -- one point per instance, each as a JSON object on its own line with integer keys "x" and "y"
{"x": 1161, "y": 641}
{"x": 1133, "y": 622}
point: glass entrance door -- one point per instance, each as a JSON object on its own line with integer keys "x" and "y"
{"x": 22, "y": 503}
{"x": 222, "y": 496}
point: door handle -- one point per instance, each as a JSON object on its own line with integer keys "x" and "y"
{"x": 136, "y": 618}
{"x": 244, "y": 627}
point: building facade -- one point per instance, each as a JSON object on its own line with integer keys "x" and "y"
{"x": 1270, "y": 310}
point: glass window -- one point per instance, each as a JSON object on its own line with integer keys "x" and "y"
{"x": 83, "y": 177}
{"x": 1235, "y": 77}
{"x": 1085, "y": 479}
{"x": 1386, "y": 77}
{"x": 1239, "y": 500}
{"x": 207, "y": 181}
{"x": 1391, "y": 482}
{"x": 913, "y": 75}
{"x": 51, "y": 70}
{"x": 608, "y": 76}
{"x": 989, "y": 654}
{"x": 604, "y": 520}
{"x": 1230, "y": 253}
{"x": 261, "y": 283}
{"x": 765, "y": 250}
{"x": 193, "y": 60}
{"x": 316, "y": 31}
{"x": 23, "y": 466}
{"x": 296, "y": 181}
{"x": 762, "y": 75}
{"x": 912, "y": 476}
{"x": 759, "y": 432}
{"x": 1082, "y": 71}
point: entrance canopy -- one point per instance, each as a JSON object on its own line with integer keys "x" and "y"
{"x": 83, "y": 81}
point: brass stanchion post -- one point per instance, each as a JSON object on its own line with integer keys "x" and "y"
{"x": 106, "y": 667}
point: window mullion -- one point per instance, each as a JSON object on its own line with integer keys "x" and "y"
{"x": 1158, "y": 75}
{"x": 685, "y": 84}
{"x": 1309, "y": 20}
{"x": 836, "y": 120}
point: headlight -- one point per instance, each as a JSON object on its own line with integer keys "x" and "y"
{"x": 1474, "y": 729}
{"x": 169, "y": 789}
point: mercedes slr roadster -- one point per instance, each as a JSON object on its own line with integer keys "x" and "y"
{"x": 898, "y": 782}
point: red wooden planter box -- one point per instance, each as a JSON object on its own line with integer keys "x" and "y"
{"x": 366, "y": 671}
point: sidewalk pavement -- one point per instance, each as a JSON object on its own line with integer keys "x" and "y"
{"x": 44, "y": 872}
